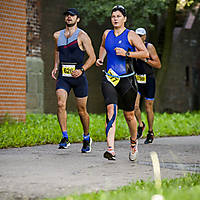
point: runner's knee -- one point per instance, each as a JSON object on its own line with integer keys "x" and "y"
{"x": 129, "y": 116}
{"x": 137, "y": 107}
{"x": 149, "y": 106}
{"x": 82, "y": 110}
{"x": 61, "y": 105}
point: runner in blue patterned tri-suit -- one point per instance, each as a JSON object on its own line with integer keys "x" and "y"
{"x": 119, "y": 93}
{"x": 71, "y": 45}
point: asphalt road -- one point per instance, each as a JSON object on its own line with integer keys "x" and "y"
{"x": 44, "y": 171}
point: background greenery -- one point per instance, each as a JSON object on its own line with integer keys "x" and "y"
{"x": 44, "y": 128}
{"x": 184, "y": 188}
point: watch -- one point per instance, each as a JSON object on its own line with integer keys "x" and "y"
{"x": 127, "y": 54}
{"x": 82, "y": 70}
{"x": 146, "y": 60}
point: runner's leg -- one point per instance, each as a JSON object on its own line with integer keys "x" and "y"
{"x": 132, "y": 123}
{"x": 61, "y": 109}
{"x": 111, "y": 116}
{"x": 82, "y": 111}
{"x": 150, "y": 114}
{"x": 137, "y": 110}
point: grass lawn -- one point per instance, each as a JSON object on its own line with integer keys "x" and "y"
{"x": 44, "y": 128}
{"x": 184, "y": 188}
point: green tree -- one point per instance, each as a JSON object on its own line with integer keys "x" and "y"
{"x": 138, "y": 11}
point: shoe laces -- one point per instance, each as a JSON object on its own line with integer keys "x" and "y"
{"x": 150, "y": 135}
{"x": 86, "y": 143}
{"x": 133, "y": 144}
{"x": 64, "y": 140}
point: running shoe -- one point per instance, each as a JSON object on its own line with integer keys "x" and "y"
{"x": 150, "y": 137}
{"x": 134, "y": 150}
{"x": 87, "y": 146}
{"x": 64, "y": 143}
{"x": 108, "y": 155}
{"x": 140, "y": 130}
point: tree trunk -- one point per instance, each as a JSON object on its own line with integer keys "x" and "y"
{"x": 168, "y": 40}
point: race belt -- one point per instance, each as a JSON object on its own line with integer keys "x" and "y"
{"x": 141, "y": 78}
{"x": 67, "y": 69}
{"x": 114, "y": 80}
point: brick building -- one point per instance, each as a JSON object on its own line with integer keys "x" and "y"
{"x": 13, "y": 59}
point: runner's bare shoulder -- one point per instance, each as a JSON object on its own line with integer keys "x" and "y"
{"x": 56, "y": 35}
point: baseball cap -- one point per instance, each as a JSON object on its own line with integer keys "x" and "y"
{"x": 140, "y": 31}
{"x": 72, "y": 11}
{"x": 120, "y": 8}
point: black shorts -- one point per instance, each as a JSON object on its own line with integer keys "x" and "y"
{"x": 124, "y": 94}
{"x": 148, "y": 89}
{"x": 79, "y": 85}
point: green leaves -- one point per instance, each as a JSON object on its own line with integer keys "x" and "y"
{"x": 138, "y": 11}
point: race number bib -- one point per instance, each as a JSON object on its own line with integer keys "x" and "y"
{"x": 67, "y": 69}
{"x": 141, "y": 78}
{"x": 113, "y": 80}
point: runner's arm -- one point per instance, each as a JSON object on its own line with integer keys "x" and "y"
{"x": 102, "y": 50}
{"x": 136, "y": 41}
{"x": 87, "y": 44}
{"x": 56, "y": 56}
{"x": 154, "y": 60}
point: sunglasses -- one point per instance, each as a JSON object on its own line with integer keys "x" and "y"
{"x": 118, "y": 7}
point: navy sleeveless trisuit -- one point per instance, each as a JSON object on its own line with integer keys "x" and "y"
{"x": 71, "y": 57}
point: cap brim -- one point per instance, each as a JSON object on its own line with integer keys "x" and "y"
{"x": 69, "y": 12}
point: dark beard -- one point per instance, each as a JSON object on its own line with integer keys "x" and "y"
{"x": 69, "y": 25}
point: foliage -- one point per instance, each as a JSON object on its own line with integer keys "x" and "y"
{"x": 44, "y": 129}
{"x": 184, "y": 188}
{"x": 138, "y": 11}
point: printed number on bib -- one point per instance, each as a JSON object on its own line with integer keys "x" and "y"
{"x": 113, "y": 80}
{"x": 67, "y": 69}
{"x": 141, "y": 78}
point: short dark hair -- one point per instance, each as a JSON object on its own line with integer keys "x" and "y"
{"x": 72, "y": 11}
{"x": 120, "y": 8}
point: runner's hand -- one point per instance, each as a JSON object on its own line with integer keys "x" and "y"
{"x": 99, "y": 62}
{"x": 76, "y": 73}
{"x": 120, "y": 51}
{"x": 53, "y": 73}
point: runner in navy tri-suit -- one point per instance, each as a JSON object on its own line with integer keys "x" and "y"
{"x": 71, "y": 45}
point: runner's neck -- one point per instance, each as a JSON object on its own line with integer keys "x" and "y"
{"x": 119, "y": 31}
{"x": 69, "y": 31}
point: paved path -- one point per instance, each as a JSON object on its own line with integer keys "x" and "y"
{"x": 44, "y": 171}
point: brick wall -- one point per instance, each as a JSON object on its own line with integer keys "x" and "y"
{"x": 33, "y": 40}
{"x": 13, "y": 59}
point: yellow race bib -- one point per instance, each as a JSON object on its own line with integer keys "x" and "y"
{"x": 141, "y": 78}
{"x": 113, "y": 80}
{"x": 67, "y": 69}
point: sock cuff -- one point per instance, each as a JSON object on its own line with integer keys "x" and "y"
{"x": 65, "y": 134}
{"x": 110, "y": 149}
{"x": 86, "y": 137}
